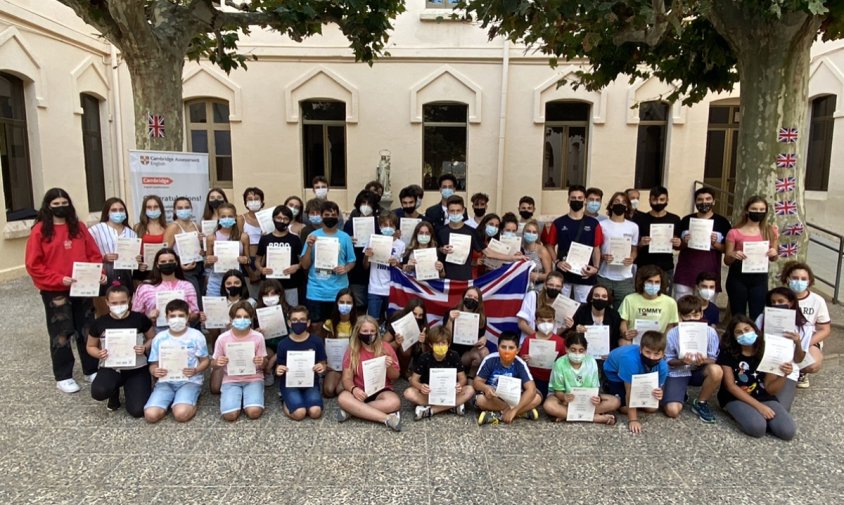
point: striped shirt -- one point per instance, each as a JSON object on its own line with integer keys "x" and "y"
{"x": 106, "y": 237}
{"x": 144, "y": 300}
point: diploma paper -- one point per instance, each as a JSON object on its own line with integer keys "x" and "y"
{"x": 564, "y": 307}
{"x": 443, "y": 384}
{"x": 208, "y": 227}
{"x": 641, "y": 391}
{"x": 374, "y": 375}
{"x": 582, "y": 409}
{"x": 407, "y": 226}
{"x": 174, "y": 359}
{"x": 466, "y": 328}
{"x": 240, "y": 356}
{"x": 226, "y": 252}
{"x": 150, "y": 250}
{"x": 279, "y": 258}
{"x": 216, "y": 310}
{"x": 326, "y": 253}
{"x": 700, "y": 234}
{"x": 542, "y": 353}
{"x": 120, "y": 344}
{"x": 578, "y": 257}
{"x": 128, "y": 250}
{"x": 778, "y": 350}
{"x": 642, "y": 326}
{"x": 661, "y": 235}
{"x": 498, "y": 247}
{"x": 619, "y": 248}
{"x": 265, "y": 220}
{"x": 187, "y": 245}
{"x": 300, "y": 369}
{"x": 598, "y": 341}
{"x": 271, "y": 321}
{"x": 778, "y": 321}
{"x": 509, "y": 389}
{"x": 362, "y": 229}
{"x": 382, "y": 249}
{"x": 162, "y": 298}
{"x": 408, "y": 328}
{"x": 693, "y": 339}
{"x": 426, "y": 264}
{"x": 757, "y": 257}
{"x": 461, "y": 245}
{"x": 514, "y": 244}
{"x": 335, "y": 349}
{"x": 87, "y": 277}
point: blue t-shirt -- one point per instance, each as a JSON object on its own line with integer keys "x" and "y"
{"x": 323, "y": 285}
{"x": 312, "y": 343}
{"x": 626, "y": 361}
{"x": 192, "y": 340}
{"x": 491, "y": 368}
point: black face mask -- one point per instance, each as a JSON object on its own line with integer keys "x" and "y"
{"x": 281, "y": 226}
{"x": 600, "y": 304}
{"x": 576, "y": 205}
{"x": 421, "y": 323}
{"x": 619, "y": 209}
{"x": 330, "y": 222}
{"x": 479, "y": 211}
{"x": 61, "y": 212}
{"x": 366, "y": 338}
{"x": 648, "y": 362}
{"x": 703, "y": 208}
{"x": 659, "y": 207}
{"x": 470, "y": 303}
{"x": 756, "y": 217}
{"x": 215, "y": 203}
{"x": 409, "y": 210}
{"x": 525, "y": 214}
{"x": 234, "y": 291}
{"x": 552, "y": 293}
{"x": 167, "y": 268}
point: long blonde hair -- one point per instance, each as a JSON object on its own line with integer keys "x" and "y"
{"x": 355, "y": 345}
{"x": 765, "y": 229}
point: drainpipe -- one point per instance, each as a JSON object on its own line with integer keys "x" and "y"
{"x": 118, "y": 126}
{"x": 502, "y": 126}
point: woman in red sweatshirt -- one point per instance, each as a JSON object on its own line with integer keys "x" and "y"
{"x": 57, "y": 240}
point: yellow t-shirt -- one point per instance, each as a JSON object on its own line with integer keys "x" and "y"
{"x": 344, "y": 329}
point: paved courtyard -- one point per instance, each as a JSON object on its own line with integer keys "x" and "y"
{"x": 56, "y": 449}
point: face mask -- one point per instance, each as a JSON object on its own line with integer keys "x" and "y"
{"x": 652, "y": 289}
{"x": 634, "y": 203}
{"x": 440, "y": 350}
{"x": 184, "y": 214}
{"x": 479, "y": 211}
{"x": 330, "y": 222}
{"x": 706, "y": 294}
{"x": 167, "y": 268}
{"x": 576, "y": 205}
{"x": 659, "y": 207}
{"x": 703, "y": 208}
{"x": 254, "y": 205}
{"x": 470, "y": 303}
{"x": 418, "y": 203}
{"x": 747, "y": 338}
{"x": 446, "y": 193}
{"x": 455, "y": 218}
{"x": 552, "y": 293}
{"x": 365, "y": 210}
{"x": 118, "y": 310}
{"x": 423, "y": 239}
{"x": 530, "y": 237}
{"x": 619, "y": 209}
{"x": 388, "y": 231}
{"x": 546, "y": 328}
{"x": 242, "y": 323}
{"x": 321, "y": 193}
{"x": 649, "y": 362}
{"x": 270, "y": 301}
{"x": 177, "y": 323}
{"x": 366, "y": 338}
{"x": 294, "y": 211}
{"x": 233, "y": 291}
{"x": 215, "y": 203}
{"x": 117, "y": 217}
{"x": 576, "y": 357}
{"x": 61, "y": 212}
{"x": 508, "y": 234}
{"x": 526, "y": 214}
{"x": 798, "y": 285}
{"x": 315, "y": 220}
{"x": 279, "y": 226}
{"x": 299, "y": 327}
{"x": 593, "y": 207}
{"x": 491, "y": 230}
{"x": 227, "y": 222}
{"x": 507, "y": 356}
{"x": 344, "y": 308}
{"x": 756, "y": 217}
{"x": 153, "y": 214}
{"x": 599, "y": 304}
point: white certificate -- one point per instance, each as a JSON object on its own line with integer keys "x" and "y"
{"x": 335, "y": 349}
{"x": 374, "y": 375}
{"x": 579, "y": 256}
{"x": 700, "y": 234}
{"x": 598, "y": 341}
{"x": 407, "y": 225}
{"x": 265, "y": 220}
{"x": 564, "y": 307}
{"x": 326, "y": 253}
{"x": 382, "y": 249}
{"x": 661, "y": 235}
{"x": 514, "y": 244}
{"x": 757, "y": 258}
{"x": 150, "y": 250}
{"x": 542, "y": 353}
{"x": 208, "y": 227}
{"x": 271, "y": 321}
{"x": 216, "y": 310}
{"x": 300, "y": 369}
{"x": 240, "y": 356}
{"x": 498, "y": 247}
{"x": 128, "y": 250}
{"x": 120, "y": 344}
{"x": 641, "y": 391}
{"x": 279, "y": 258}
{"x": 426, "y": 264}
{"x": 174, "y": 359}
{"x": 87, "y": 277}
{"x": 509, "y": 389}
{"x": 582, "y": 409}
{"x": 778, "y": 350}
{"x": 778, "y": 321}
{"x": 362, "y": 229}
{"x": 226, "y": 252}
{"x": 461, "y": 245}
{"x": 187, "y": 245}
{"x": 619, "y": 248}
{"x": 162, "y": 298}
{"x": 443, "y": 384}
{"x": 408, "y": 328}
{"x": 642, "y": 326}
{"x": 693, "y": 339}
{"x": 466, "y": 328}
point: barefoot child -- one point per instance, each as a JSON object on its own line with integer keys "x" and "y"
{"x": 505, "y": 363}
{"x": 301, "y": 401}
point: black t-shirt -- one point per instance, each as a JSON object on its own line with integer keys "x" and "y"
{"x": 359, "y": 275}
{"x": 583, "y": 231}
{"x": 611, "y": 318}
{"x": 135, "y": 320}
{"x": 458, "y": 272}
{"x": 427, "y": 361}
{"x": 290, "y": 241}
{"x": 745, "y": 376}
{"x": 664, "y": 261}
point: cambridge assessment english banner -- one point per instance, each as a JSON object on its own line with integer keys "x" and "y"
{"x": 169, "y": 175}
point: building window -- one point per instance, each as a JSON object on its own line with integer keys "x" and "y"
{"x": 820, "y": 143}
{"x": 444, "y": 143}
{"x": 566, "y": 132}
{"x": 92, "y": 145}
{"x": 441, "y": 4}
{"x": 650, "y": 145}
{"x": 14, "y": 149}
{"x": 209, "y": 132}
{"x": 324, "y": 141}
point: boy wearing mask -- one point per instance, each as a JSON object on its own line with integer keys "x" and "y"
{"x": 505, "y": 363}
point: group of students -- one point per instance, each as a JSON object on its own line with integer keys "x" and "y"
{"x": 350, "y": 303}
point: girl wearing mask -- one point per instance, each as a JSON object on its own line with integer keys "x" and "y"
{"x": 166, "y": 275}
{"x": 489, "y": 228}
{"x": 227, "y": 231}
{"x": 183, "y": 223}
{"x": 365, "y": 207}
{"x": 253, "y": 199}
{"x": 113, "y": 225}
{"x": 424, "y": 237}
{"x": 747, "y": 291}
{"x": 799, "y": 278}
{"x": 340, "y": 325}
{"x": 617, "y": 273}
{"x": 417, "y": 307}
{"x": 552, "y": 287}
{"x": 151, "y": 227}
{"x": 313, "y": 218}
{"x": 544, "y": 332}
{"x": 297, "y": 207}
{"x": 471, "y": 355}
{"x": 649, "y": 299}
{"x": 282, "y": 237}
{"x": 536, "y": 252}
{"x": 213, "y": 200}
{"x": 235, "y": 290}
{"x": 270, "y": 294}
{"x": 598, "y": 311}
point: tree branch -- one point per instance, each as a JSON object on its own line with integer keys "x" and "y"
{"x": 655, "y": 29}
{"x": 96, "y": 14}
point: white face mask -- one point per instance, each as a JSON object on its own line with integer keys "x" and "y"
{"x": 321, "y": 193}
{"x": 118, "y": 310}
{"x": 546, "y": 328}
{"x": 634, "y": 203}
{"x": 706, "y": 294}
{"x": 365, "y": 210}
{"x": 254, "y": 205}
{"x": 177, "y": 323}
{"x": 270, "y": 301}
{"x": 294, "y": 211}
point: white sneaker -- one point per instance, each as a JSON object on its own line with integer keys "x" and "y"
{"x": 90, "y": 378}
{"x": 422, "y": 412}
{"x": 68, "y": 386}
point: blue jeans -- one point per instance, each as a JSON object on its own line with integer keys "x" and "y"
{"x": 301, "y": 398}
{"x": 377, "y": 305}
{"x": 233, "y": 395}
{"x": 167, "y": 394}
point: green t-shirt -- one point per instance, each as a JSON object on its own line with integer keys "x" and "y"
{"x": 564, "y": 377}
{"x": 663, "y": 308}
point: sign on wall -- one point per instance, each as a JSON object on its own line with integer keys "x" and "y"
{"x": 169, "y": 175}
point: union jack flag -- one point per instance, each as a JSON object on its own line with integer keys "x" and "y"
{"x": 793, "y": 230}
{"x": 787, "y": 135}
{"x": 784, "y": 184}
{"x": 155, "y": 126}
{"x": 502, "y": 289}
{"x": 788, "y": 250}
{"x": 786, "y": 160}
{"x": 785, "y": 208}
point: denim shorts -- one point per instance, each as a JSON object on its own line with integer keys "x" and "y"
{"x": 674, "y": 389}
{"x": 302, "y": 398}
{"x": 235, "y": 394}
{"x": 167, "y": 394}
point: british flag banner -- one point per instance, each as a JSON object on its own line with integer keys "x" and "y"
{"x": 788, "y": 250}
{"x": 784, "y": 184}
{"x": 785, "y": 208}
{"x": 787, "y": 135}
{"x": 155, "y": 126}
{"x": 786, "y": 160}
{"x": 502, "y": 290}
{"x": 793, "y": 230}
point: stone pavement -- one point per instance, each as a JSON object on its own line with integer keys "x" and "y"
{"x": 58, "y": 449}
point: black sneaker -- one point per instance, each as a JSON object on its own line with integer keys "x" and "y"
{"x": 113, "y": 403}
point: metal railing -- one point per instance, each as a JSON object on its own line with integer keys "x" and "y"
{"x": 813, "y": 238}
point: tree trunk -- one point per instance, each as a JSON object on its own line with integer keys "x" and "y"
{"x": 157, "y": 91}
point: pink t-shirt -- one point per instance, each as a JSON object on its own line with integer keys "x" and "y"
{"x": 739, "y": 238}
{"x": 144, "y": 299}
{"x": 260, "y": 350}
{"x": 366, "y": 355}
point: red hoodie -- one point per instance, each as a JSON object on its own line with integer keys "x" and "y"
{"x": 48, "y": 263}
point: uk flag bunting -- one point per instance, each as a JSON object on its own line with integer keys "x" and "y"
{"x": 788, "y": 250}
{"x": 787, "y": 135}
{"x": 794, "y": 230}
{"x": 786, "y": 160}
{"x": 155, "y": 126}
{"x": 785, "y": 208}
{"x": 784, "y": 184}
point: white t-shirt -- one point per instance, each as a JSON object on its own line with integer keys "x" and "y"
{"x": 379, "y": 275}
{"x": 528, "y": 311}
{"x": 814, "y": 309}
{"x": 612, "y": 229}
{"x": 471, "y": 223}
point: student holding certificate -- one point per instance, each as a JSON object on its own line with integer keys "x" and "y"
{"x": 431, "y": 393}
{"x": 227, "y": 231}
{"x": 184, "y": 350}
{"x": 536, "y": 252}
{"x": 598, "y": 311}
{"x": 56, "y": 241}
{"x": 301, "y": 402}
{"x": 182, "y": 225}
{"x": 471, "y": 355}
{"x": 166, "y": 275}
{"x": 282, "y": 240}
{"x": 270, "y": 294}
{"x": 545, "y": 341}
{"x": 150, "y": 228}
{"x": 649, "y": 302}
{"x": 551, "y": 288}
{"x": 577, "y": 369}
{"x": 395, "y": 338}
{"x": 695, "y": 258}
{"x": 104, "y": 343}
{"x": 619, "y": 249}
{"x": 380, "y": 406}
{"x": 362, "y": 224}
{"x": 487, "y": 230}
{"x": 112, "y": 234}
{"x": 235, "y": 290}
{"x": 423, "y": 239}
{"x": 338, "y": 327}
{"x": 746, "y": 394}
{"x": 378, "y": 292}
{"x": 496, "y": 399}
{"x": 747, "y": 290}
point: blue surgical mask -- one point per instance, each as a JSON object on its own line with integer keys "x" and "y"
{"x": 491, "y": 230}
{"x": 388, "y": 231}
{"x": 652, "y": 289}
{"x": 747, "y": 338}
{"x": 184, "y": 214}
{"x": 153, "y": 214}
{"x": 455, "y": 218}
{"x": 316, "y": 220}
{"x": 344, "y": 308}
{"x": 117, "y": 217}
{"x": 242, "y": 323}
{"x": 446, "y": 192}
{"x": 593, "y": 207}
{"x": 530, "y": 237}
{"x": 798, "y": 285}
{"x": 508, "y": 234}
{"x": 423, "y": 239}
{"x": 227, "y": 222}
